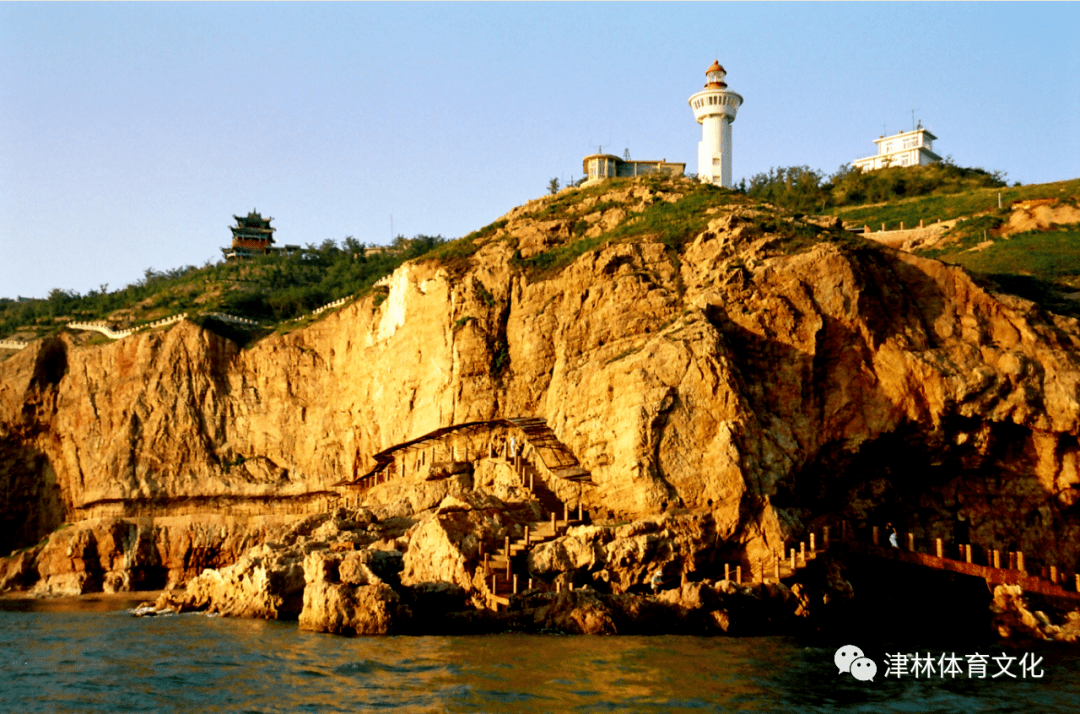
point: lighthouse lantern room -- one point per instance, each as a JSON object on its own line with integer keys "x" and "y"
{"x": 715, "y": 108}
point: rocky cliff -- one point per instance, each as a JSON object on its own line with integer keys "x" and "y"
{"x": 759, "y": 371}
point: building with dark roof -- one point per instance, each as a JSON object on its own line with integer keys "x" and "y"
{"x": 253, "y": 235}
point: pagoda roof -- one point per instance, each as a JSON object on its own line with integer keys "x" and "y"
{"x": 254, "y": 219}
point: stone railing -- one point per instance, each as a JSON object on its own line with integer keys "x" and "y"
{"x": 105, "y": 329}
{"x": 232, "y": 318}
{"x": 329, "y": 305}
{"x": 102, "y": 327}
{"x": 12, "y": 344}
{"x": 163, "y": 322}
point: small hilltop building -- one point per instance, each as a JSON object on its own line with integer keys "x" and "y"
{"x": 598, "y": 167}
{"x": 252, "y": 235}
{"x": 908, "y": 148}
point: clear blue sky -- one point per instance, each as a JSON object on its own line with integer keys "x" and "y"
{"x": 131, "y": 133}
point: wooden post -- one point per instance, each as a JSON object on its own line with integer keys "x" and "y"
{"x": 882, "y": 226}
{"x": 579, "y": 513}
{"x": 967, "y": 553}
{"x": 727, "y": 571}
{"x": 812, "y": 548}
{"x": 1077, "y": 576}
{"x": 530, "y": 583}
{"x": 1053, "y": 574}
{"x": 997, "y": 559}
{"x": 1020, "y": 561}
{"x": 911, "y": 542}
{"x": 494, "y": 582}
{"x": 901, "y": 225}
{"x": 793, "y": 560}
{"x": 939, "y": 548}
{"x": 920, "y": 223}
{"x": 532, "y": 480}
{"x": 877, "y": 536}
{"x": 554, "y": 528}
{"x": 566, "y": 512}
{"x": 802, "y": 551}
{"x": 487, "y": 563}
{"x": 515, "y": 584}
{"x": 558, "y": 586}
{"x": 491, "y": 450}
{"x": 825, "y": 538}
{"x": 738, "y": 574}
{"x": 776, "y": 569}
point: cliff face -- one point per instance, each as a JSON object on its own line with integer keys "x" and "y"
{"x": 768, "y": 382}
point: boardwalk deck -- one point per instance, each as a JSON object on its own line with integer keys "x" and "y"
{"x": 552, "y": 453}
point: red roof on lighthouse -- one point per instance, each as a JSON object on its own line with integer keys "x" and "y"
{"x": 715, "y": 67}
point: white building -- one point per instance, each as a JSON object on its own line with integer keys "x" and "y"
{"x": 909, "y": 148}
{"x": 715, "y": 109}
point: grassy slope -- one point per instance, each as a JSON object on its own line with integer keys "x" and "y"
{"x": 1043, "y": 266}
{"x": 947, "y": 206}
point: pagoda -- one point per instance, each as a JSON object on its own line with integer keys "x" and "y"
{"x": 252, "y": 235}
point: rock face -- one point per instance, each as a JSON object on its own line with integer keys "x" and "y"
{"x": 343, "y": 573}
{"x": 761, "y": 377}
{"x": 343, "y": 595}
{"x": 1012, "y": 618}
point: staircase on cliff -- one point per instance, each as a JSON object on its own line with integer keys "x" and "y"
{"x": 506, "y": 571}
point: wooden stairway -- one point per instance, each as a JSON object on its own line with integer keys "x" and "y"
{"x": 500, "y": 569}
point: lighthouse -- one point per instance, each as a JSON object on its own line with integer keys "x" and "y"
{"x": 715, "y": 108}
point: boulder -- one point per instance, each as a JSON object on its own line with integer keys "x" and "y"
{"x": 345, "y": 597}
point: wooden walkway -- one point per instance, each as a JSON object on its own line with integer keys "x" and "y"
{"x": 552, "y": 455}
{"x": 498, "y": 569}
{"x": 1051, "y": 583}
{"x": 994, "y": 576}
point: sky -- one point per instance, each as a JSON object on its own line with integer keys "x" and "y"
{"x": 131, "y": 133}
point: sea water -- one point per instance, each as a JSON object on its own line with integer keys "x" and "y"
{"x": 79, "y": 656}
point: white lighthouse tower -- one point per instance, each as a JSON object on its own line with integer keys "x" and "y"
{"x": 715, "y": 108}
